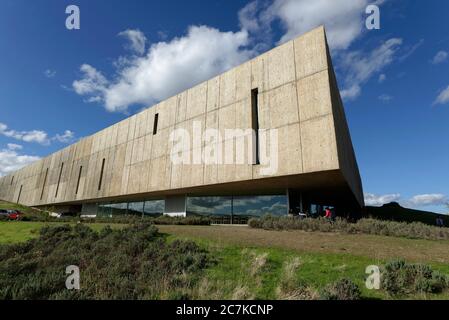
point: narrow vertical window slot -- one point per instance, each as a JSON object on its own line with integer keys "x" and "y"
{"x": 156, "y": 119}
{"x": 45, "y": 181}
{"x": 101, "y": 174}
{"x": 255, "y": 124}
{"x": 79, "y": 179}
{"x": 12, "y": 180}
{"x": 20, "y": 193}
{"x": 59, "y": 180}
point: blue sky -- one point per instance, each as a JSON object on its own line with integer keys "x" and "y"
{"x": 57, "y": 85}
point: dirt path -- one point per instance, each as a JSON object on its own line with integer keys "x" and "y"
{"x": 378, "y": 247}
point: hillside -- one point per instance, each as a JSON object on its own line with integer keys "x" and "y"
{"x": 394, "y": 211}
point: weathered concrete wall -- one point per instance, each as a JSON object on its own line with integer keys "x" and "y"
{"x": 298, "y": 96}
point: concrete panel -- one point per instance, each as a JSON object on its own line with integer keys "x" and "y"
{"x": 167, "y": 113}
{"x": 243, "y": 118}
{"x": 281, "y": 65}
{"x": 310, "y": 53}
{"x": 196, "y": 100}
{"x": 119, "y": 163}
{"x": 319, "y": 148}
{"x": 259, "y": 73}
{"x": 144, "y": 176}
{"x": 131, "y": 127}
{"x": 227, "y": 88}
{"x": 243, "y": 81}
{"x": 283, "y": 105}
{"x": 122, "y": 135}
{"x": 175, "y": 206}
{"x": 181, "y": 113}
{"x": 226, "y": 119}
{"x": 213, "y": 94}
{"x": 157, "y": 179}
{"x": 314, "y": 96}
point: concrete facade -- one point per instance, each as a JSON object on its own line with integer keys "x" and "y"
{"x": 297, "y": 94}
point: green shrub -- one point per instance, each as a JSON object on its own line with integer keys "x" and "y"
{"x": 366, "y": 226}
{"x": 130, "y": 263}
{"x": 400, "y": 279}
{"x": 343, "y": 289}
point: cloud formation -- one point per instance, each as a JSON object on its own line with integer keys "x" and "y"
{"x": 443, "y": 97}
{"x": 11, "y": 160}
{"x": 166, "y": 69}
{"x": 440, "y": 57}
{"x": 67, "y": 137}
{"x": 50, "y": 73}
{"x": 359, "y": 66}
{"x": 372, "y": 199}
{"x": 385, "y": 98}
{"x": 417, "y": 201}
{"x": 136, "y": 39}
{"x": 35, "y": 136}
{"x": 343, "y": 19}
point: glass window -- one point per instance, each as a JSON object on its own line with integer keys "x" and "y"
{"x": 154, "y": 208}
{"x": 246, "y": 208}
{"x": 238, "y": 209}
{"x": 119, "y": 208}
{"x": 135, "y": 208}
{"x": 219, "y": 209}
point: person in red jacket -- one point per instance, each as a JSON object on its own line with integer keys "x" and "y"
{"x": 328, "y": 213}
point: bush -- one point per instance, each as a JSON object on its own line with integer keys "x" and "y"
{"x": 400, "y": 279}
{"x": 367, "y": 226}
{"x": 130, "y": 263}
{"x": 343, "y": 289}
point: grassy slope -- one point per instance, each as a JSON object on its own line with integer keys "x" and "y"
{"x": 323, "y": 258}
{"x": 15, "y": 232}
{"x": 232, "y": 277}
{"x": 15, "y": 206}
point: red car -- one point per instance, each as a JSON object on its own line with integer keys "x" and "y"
{"x": 14, "y": 214}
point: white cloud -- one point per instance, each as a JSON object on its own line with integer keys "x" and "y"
{"x": 428, "y": 200}
{"x": 248, "y": 17}
{"x": 13, "y": 146}
{"x": 379, "y": 200}
{"x": 409, "y": 50}
{"x": 359, "y": 67}
{"x": 382, "y": 77}
{"x": 443, "y": 97}
{"x": 67, "y": 137}
{"x": 167, "y": 68}
{"x": 440, "y": 57}
{"x": 50, "y": 73}
{"x": 417, "y": 201}
{"x": 343, "y": 19}
{"x": 136, "y": 40}
{"x": 36, "y": 136}
{"x": 351, "y": 92}
{"x": 385, "y": 97}
{"x": 11, "y": 161}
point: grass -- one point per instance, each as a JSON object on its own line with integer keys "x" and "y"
{"x": 14, "y": 206}
{"x": 252, "y": 263}
{"x": 17, "y": 232}
{"x": 233, "y": 275}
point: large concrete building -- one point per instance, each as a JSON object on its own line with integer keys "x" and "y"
{"x": 129, "y": 167}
